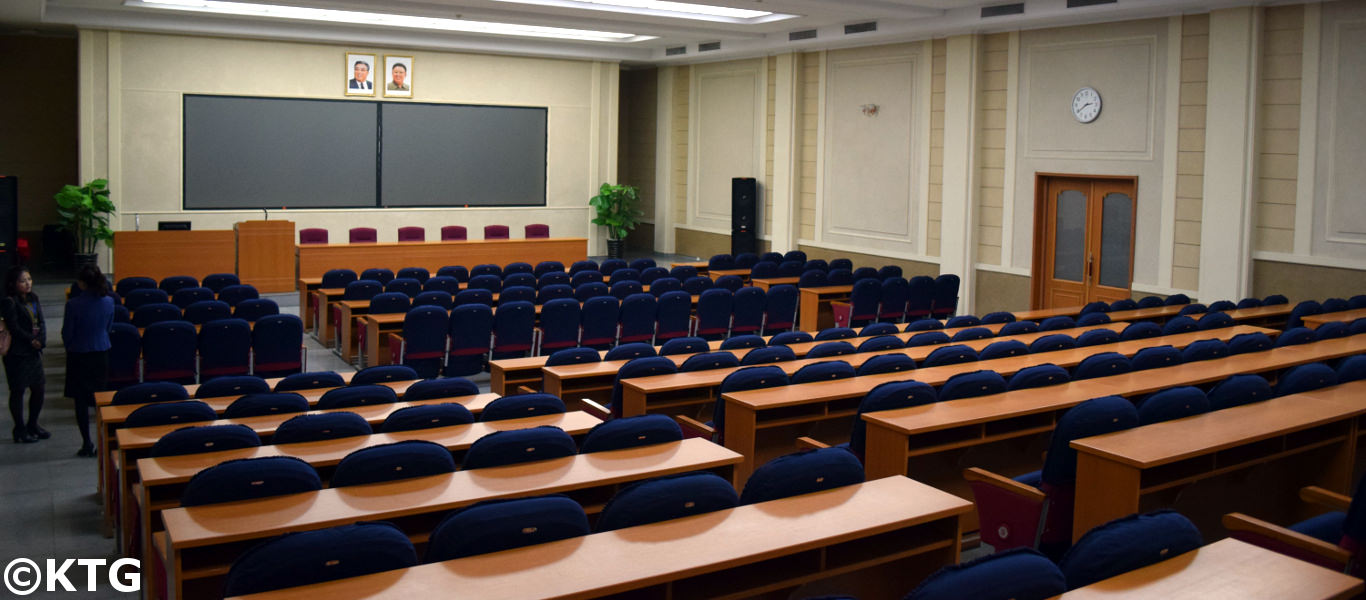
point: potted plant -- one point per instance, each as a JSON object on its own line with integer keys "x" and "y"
{"x": 616, "y": 207}
{"x": 85, "y": 212}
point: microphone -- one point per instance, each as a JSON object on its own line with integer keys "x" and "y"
{"x": 267, "y": 213}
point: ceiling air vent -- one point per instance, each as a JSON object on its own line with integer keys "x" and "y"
{"x": 1001, "y": 10}
{"x": 1081, "y": 3}
{"x": 709, "y": 46}
{"x": 860, "y": 27}
{"x": 809, "y": 34}
{"x": 675, "y": 51}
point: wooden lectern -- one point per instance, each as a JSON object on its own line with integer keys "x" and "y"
{"x": 265, "y": 255}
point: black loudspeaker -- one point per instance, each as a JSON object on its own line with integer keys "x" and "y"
{"x": 9, "y": 219}
{"x": 744, "y": 211}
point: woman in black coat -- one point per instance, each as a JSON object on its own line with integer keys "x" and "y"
{"x": 23, "y": 316}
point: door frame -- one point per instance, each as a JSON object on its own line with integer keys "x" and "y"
{"x": 1036, "y": 283}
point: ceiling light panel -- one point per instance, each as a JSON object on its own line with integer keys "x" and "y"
{"x": 664, "y": 8}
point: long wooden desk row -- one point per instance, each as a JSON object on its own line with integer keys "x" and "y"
{"x": 201, "y": 542}
{"x": 1346, "y": 316}
{"x": 876, "y": 539}
{"x": 316, "y": 259}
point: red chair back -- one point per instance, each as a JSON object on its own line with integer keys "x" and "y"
{"x": 453, "y": 233}
{"x": 363, "y": 235}
{"x": 537, "y": 230}
{"x": 495, "y": 232}
{"x": 412, "y": 234}
{"x": 313, "y": 235}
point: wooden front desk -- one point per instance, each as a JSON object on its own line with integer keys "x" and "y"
{"x": 161, "y": 254}
{"x": 316, "y": 259}
{"x": 877, "y": 538}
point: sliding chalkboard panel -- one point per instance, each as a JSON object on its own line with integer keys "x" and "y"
{"x": 276, "y": 152}
{"x": 456, "y": 155}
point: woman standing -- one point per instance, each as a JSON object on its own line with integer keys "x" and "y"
{"x": 85, "y": 331}
{"x": 23, "y": 317}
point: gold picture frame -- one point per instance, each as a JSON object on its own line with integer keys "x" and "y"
{"x": 358, "y": 81}
{"x": 398, "y": 84}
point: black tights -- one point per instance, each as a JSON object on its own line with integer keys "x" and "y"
{"x": 35, "y": 405}
{"x": 84, "y": 402}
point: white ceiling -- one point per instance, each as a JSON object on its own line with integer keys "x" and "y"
{"x": 897, "y": 20}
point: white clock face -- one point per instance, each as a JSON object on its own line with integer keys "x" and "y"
{"x": 1086, "y": 104}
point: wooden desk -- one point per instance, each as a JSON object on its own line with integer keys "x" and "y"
{"x": 1225, "y": 570}
{"x": 877, "y": 538}
{"x": 316, "y": 259}
{"x": 161, "y": 254}
{"x": 700, "y": 265}
{"x": 764, "y": 284}
{"x": 1116, "y": 471}
{"x": 200, "y": 542}
{"x": 1346, "y": 316}
{"x": 1040, "y": 314}
{"x": 813, "y": 312}
{"x": 324, "y": 298}
{"x": 751, "y": 415}
{"x": 306, "y": 285}
{"x": 350, "y": 310}
{"x": 717, "y": 274}
{"x": 264, "y": 253}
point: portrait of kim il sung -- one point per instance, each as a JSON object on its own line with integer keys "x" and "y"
{"x": 360, "y": 76}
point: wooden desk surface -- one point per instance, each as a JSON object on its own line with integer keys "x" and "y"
{"x": 1226, "y": 569}
{"x": 765, "y": 283}
{"x": 316, "y": 259}
{"x": 1346, "y": 316}
{"x": 161, "y": 254}
{"x": 262, "y": 518}
{"x": 105, "y": 398}
{"x": 1040, "y": 314}
{"x": 659, "y": 553}
{"x": 114, "y": 415}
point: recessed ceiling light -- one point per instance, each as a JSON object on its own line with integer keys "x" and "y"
{"x": 384, "y": 19}
{"x": 664, "y": 8}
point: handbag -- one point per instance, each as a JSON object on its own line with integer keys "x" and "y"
{"x": 5, "y": 339}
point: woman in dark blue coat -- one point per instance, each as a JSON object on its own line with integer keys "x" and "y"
{"x": 85, "y": 331}
{"x": 23, "y": 316}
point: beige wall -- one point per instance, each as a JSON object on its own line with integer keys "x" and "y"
{"x": 810, "y": 99}
{"x": 133, "y": 133}
{"x": 636, "y": 147}
{"x": 934, "y": 216}
{"x": 39, "y": 130}
{"x": 1278, "y": 127}
{"x": 1190, "y": 157}
{"x": 991, "y": 146}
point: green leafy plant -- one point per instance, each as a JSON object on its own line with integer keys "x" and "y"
{"x": 85, "y": 212}
{"x": 616, "y": 206}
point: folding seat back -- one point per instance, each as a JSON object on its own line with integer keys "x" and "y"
{"x": 879, "y": 329}
{"x": 683, "y": 345}
{"x": 517, "y": 293}
{"x": 683, "y": 272}
{"x": 125, "y": 350}
{"x": 140, "y": 297}
{"x": 170, "y": 413}
{"x": 1330, "y": 330}
{"x": 582, "y": 277}
{"x": 625, "y": 274}
{"x": 492, "y": 283}
{"x": 610, "y": 265}
{"x": 519, "y": 280}
{"x": 1149, "y": 302}
{"x": 835, "y": 333}
{"x": 172, "y": 284}
{"x": 1221, "y": 306}
{"x": 1357, "y": 301}
{"x": 889, "y": 271}
{"x": 665, "y": 284}
{"x": 1038, "y": 376}
{"x": 1192, "y": 309}
{"x": 790, "y": 268}
{"x": 390, "y": 303}
{"x": 998, "y": 317}
{"x": 1097, "y": 306}
{"x": 624, "y": 289}
{"x": 815, "y": 264}
{"x": 1172, "y": 403}
{"x": 218, "y": 281}
{"x": 882, "y": 342}
{"x": 1294, "y": 336}
{"x": 379, "y": 274}
{"x": 437, "y": 298}
{"x": 667, "y": 498}
{"x": 1333, "y": 305}
{"x": 522, "y": 405}
{"x": 714, "y": 309}
{"x": 697, "y": 284}
{"x": 1301, "y": 310}
{"x": 839, "y": 277}
{"x": 630, "y": 351}
{"x": 204, "y": 311}
{"x": 390, "y": 462}
{"x": 1249, "y": 303}
{"x": 486, "y": 269}
{"x": 895, "y": 294}
{"x": 421, "y": 274}
{"x": 673, "y": 316}
{"x": 862, "y": 307}
{"x": 1096, "y": 337}
{"x": 1052, "y": 343}
{"x": 537, "y": 231}
{"x": 812, "y": 278}
{"x": 748, "y": 315}
{"x": 276, "y": 346}
{"x": 1092, "y": 319}
{"x": 310, "y": 557}
{"x": 1238, "y": 390}
{"x": 822, "y": 371}
{"x": 233, "y": 385}
{"x": 649, "y": 275}
{"x": 423, "y": 345}
{"x": 1249, "y": 342}
{"x": 643, "y": 366}
{"x": 559, "y": 324}
{"x": 826, "y": 349}
{"x": 454, "y": 233}
{"x": 802, "y": 473}
{"x": 748, "y": 378}
{"x": 310, "y": 381}
{"x": 354, "y": 395}
{"x": 338, "y": 278}
{"x": 920, "y": 297}
{"x": 730, "y": 282}
{"x": 1056, "y": 323}
{"x": 780, "y": 309}
{"x": 253, "y": 310}
{"x": 473, "y": 296}
{"x": 518, "y": 446}
{"x": 1140, "y": 330}
{"x": 763, "y": 270}
{"x": 161, "y": 312}
{"x": 1102, "y": 365}
{"x": 972, "y": 384}
{"x": 266, "y": 403}
{"x": 886, "y": 363}
{"x": 248, "y": 478}
{"x": 235, "y": 294}
{"x": 945, "y": 295}
{"x": 497, "y": 525}
{"x": 640, "y": 264}
{"x": 928, "y": 338}
{"x": 495, "y": 232}
{"x": 631, "y": 432}
{"x": 637, "y": 318}
{"x": 583, "y": 265}
{"x": 1014, "y": 573}
{"x": 128, "y": 284}
{"x": 545, "y": 280}
{"x": 1204, "y": 350}
{"x": 745, "y": 260}
{"x": 1018, "y": 327}
{"x": 709, "y": 360}
{"x": 513, "y": 329}
{"x": 444, "y": 387}
{"x": 362, "y": 235}
{"x": 599, "y": 320}
{"x": 743, "y": 341}
{"x": 773, "y": 257}
{"x": 972, "y": 333}
{"x": 1175, "y": 299}
{"x": 313, "y": 427}
{"x": 1123, "y": 304}
{"x": 168, "y": 351}
{"x": 383, "y": 374}
{"x": 1352, "y": 368}
{"x": 1128, "y": 544}
{"x": 962, "y": 321}
{"x": 362, "y": 289}
{"x": 426, "y": 416}
{"x": 1155, "y": 357}
{"x": 1306, "y": 378}
{"x": 151, "y": 391}
{"x": 205, "y": 438}
{"x": 585, "y": 292}
{"x": 122, "y": 314}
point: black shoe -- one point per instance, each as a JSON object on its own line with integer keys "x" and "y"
{"x": 21, "y": 436}
{"x": 38, "y": 432}
{"x": 86, "y": 450}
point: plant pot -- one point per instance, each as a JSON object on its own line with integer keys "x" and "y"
{"x": 614, "y": 248}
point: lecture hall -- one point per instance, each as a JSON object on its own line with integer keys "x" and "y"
{"x": 684, "y": 299}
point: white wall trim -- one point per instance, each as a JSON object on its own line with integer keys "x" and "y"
{"x": 1315, "y": 261}
{"x": 1309, "y": 129}
{"x": 757, "y": 69}
{"x": 957, "y": 240}
{"x": 1161, "y": 289}
{"x": 114, "y": 143}
{"x": 925, "y": 115}
{"x": 886, "y": 253}
{"x": 820, "y": 146}
{"x": 664, "y": 147}
{"x": 786, "y": 169}
{"x": 1020, "y": 271}
{"x": 703, "y": 229}
{"x": 1012, "y": 133}
{"x": 1171, "y": 126}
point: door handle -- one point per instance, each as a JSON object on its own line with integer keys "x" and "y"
{"x": 1090, "y": 264}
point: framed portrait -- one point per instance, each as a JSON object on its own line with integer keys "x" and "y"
{"x": 398, "y": 76}
{"x": 360, "y": 74}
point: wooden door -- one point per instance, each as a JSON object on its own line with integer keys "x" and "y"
{"x": 1084, "y": 240}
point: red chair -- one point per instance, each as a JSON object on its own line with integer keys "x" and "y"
{"x": 453, "y": 233}
{"x": 537, "y": 230}
{"x": 495, "y": 232}
{"x": 363, "y": 235}
{"x": 412, "y": 234}
{"x": 313, "y": 235}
